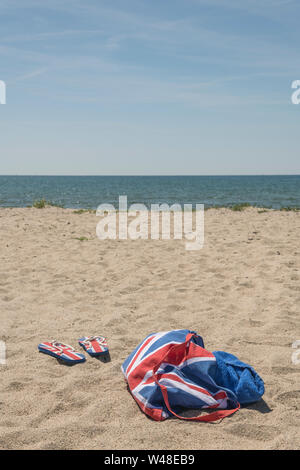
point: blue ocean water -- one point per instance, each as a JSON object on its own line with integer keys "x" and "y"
{"x": 90, "y": 191}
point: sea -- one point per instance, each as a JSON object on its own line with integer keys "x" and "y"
{"x": 90, "y": 191}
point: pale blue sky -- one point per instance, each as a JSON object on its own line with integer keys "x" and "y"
{"x": 149, "y": 86}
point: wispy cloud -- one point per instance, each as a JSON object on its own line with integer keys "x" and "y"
{"x": 48, "y": 35}
{"x": 258, "y": 6}
{"x": 185, "y": 55}
{"x": 32, "y": 74}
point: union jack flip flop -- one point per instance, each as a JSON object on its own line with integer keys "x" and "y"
{"x": 94, "y": 345}
{"x": 61, "y": 351}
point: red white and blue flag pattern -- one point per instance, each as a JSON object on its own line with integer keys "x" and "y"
{"x": 61, "y": 351}
{"x": 170, "y": 372}
{"x": 94, "y": 345}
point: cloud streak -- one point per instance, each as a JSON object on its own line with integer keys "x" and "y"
{"x": 185, "y": 57}
{"x": 48, "y": 35}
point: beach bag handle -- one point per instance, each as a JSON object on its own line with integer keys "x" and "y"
{"x": 220, "y": 414}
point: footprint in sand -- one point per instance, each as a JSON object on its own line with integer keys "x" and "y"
{"x": 256, "y": 323}
{"x": 290, "y": 399}
{"x": 173, "y": 308}
{"x": 251, "y": 431}
{"x": 16, "y": 386}
{"x": 6, "y": 298}
{"x": 284, "y": 371}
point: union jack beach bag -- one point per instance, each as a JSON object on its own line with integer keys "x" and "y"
{"x": 170, "y": 372}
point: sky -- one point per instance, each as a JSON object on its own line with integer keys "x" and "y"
{"x": 149, "y": 87}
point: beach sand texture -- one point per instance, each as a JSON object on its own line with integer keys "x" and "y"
{"x": 241, "y": 293}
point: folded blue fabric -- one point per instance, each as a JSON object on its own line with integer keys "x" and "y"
{"x": 238, "y": 377}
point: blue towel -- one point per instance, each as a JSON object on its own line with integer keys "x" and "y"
{"x": 238, "y": 377}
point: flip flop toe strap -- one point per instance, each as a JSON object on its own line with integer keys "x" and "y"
{"x": 88, "y": 341}
{"x": 61, "y": 347}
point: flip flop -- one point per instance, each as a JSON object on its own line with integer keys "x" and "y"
{"x": 94, "y": 345}
{"x": 61, "y": 351}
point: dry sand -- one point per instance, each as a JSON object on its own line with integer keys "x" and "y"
{"x": 241, "y": 292}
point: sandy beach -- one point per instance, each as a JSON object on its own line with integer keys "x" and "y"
{"x": 241, "y": 293}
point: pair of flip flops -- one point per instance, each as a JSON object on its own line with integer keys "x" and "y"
{"x": 95, "y": 346}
